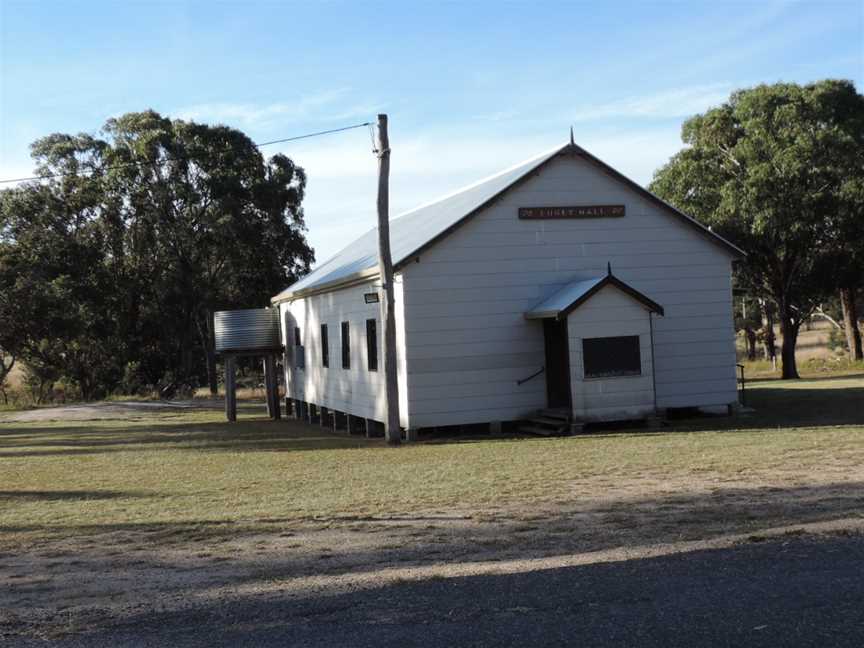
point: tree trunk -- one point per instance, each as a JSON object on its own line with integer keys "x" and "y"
{"x": 210, "y": 351}
{"x": 770, "y": 339}
{"x": 789, "y": 330}
{"x": 850, "y": 323}
{"x": 751, "y": 343}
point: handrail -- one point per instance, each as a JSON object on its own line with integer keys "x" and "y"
{"x": 743, "y": 391}
{"x": 534, "y": 375}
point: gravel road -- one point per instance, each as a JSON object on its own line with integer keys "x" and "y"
{"x": 105, "y": 410}
{"x": 797, "y": 591}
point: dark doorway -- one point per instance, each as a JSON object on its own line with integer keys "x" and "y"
{"x": 557, "y": 363}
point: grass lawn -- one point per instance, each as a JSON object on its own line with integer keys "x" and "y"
{"x": 189, "y": 471}
{"x": 142, "y": 510}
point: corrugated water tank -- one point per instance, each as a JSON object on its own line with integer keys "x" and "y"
{"x": 247, "y": 330}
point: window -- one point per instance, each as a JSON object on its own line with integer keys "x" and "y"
{"x": 299, "y": 354}
{"x": 611, "y": 356}
{"x": 325, "y": 347}
{"x": 372, "y": 344}
{"x": 346, "y": 347}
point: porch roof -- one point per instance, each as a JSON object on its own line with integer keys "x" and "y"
{"x": 575, "y": 294}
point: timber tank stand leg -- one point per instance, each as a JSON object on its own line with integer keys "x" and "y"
{"x": 270, "y": 380}
{"x": 340, "y": 421}
{"x": 370, "y": 428}
{"x": 274, "y": 377}
{"x": 230, "y": 389}
{"x": 268, "y": 401}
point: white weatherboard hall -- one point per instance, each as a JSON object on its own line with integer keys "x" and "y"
{"x": 557, "y": 290}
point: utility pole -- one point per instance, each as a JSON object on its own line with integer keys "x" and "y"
{"x": 392, "y": 431}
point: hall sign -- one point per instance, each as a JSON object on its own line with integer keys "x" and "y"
{"x": 575, "y": 211}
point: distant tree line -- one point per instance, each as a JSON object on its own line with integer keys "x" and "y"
{"x": 112, "y": 265}
{"x": 779, "y": 171}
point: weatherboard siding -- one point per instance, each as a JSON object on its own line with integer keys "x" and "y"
{"x": 467, "y": 294}
{"x": 613, "y": 398}
{"x": 356, "y": 390}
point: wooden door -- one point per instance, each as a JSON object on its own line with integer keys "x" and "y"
{"x": 557, "y": 363}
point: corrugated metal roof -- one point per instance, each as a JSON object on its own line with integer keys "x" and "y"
{"x": 411, "y": 230}
{"x": 561, "y": 300}
{"x": 247, "y": 329}
{"x": 578, "y": 292}
{"x": 414, "y": 229}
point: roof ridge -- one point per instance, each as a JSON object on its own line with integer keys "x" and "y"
{"x": 413, "y": 231}
{"x": 473, "y": 185}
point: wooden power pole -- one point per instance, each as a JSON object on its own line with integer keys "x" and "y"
{"x": 392, "y": 431}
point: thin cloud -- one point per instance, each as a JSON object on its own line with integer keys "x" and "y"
{"x": 678, "y": 102}
{"x": 331, "y": 105}
{"x": 500, "y": 115}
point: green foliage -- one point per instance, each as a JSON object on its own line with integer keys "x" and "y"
{"x": 748, "y": 314}
{"x": 778, "y": 170}
{"x": 7, "y": 363}
{"x": 120, "y": 262}
{"x": 837, "y": 340}
{"x": 133, "y": 382}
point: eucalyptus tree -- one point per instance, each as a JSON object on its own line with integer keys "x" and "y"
{"x": 135, "y": 235}
{"x": 772, "y": 169}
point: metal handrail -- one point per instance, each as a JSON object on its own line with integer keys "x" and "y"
{"x": 534, "y": 375}
{"x": 743, "y": 381}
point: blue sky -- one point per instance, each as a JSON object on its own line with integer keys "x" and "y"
{"x": 470, "y": 87}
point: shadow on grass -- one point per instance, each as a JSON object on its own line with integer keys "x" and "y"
{"x": 531, "y": 597}
{"x": 254, "y": 435}
{"x": 791, "y": 383}
{"x": 575, "y": 525}
{"x": 793, "y": 407}
{"x": 67, "y": 495}
{"x": 787, "y": 405}
{"x": 806, "y": 593}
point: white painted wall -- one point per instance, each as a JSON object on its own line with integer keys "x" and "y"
{"x": 468, "y": 342}
{"x": 356, "y": 390}
{"x": 610, "y": 313}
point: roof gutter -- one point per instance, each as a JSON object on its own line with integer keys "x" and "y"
{"x": 364, "y": 276}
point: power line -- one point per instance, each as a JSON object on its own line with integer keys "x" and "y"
{"x": 177, "y": 159}
{"x": 325, "y": 132}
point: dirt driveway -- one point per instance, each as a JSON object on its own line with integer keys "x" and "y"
{"x": 105, "y": 411}
{"x": 789, "y": 587}
{"x": 742, "y": 538}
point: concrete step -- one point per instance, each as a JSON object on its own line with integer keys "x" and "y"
{"x": 558, "y": 414}
{"x": 543, "y": 431}
{"x": 546, "y": 420}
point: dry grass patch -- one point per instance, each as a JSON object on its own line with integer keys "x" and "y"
{"x": 182, "y": 476}
{"x": 101, "y": 519}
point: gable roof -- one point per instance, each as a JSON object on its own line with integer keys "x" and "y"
{"x": 573, "y": 295}
{"x": 414, "y": 231}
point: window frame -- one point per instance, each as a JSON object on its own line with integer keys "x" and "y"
{"x": 372, "y": 344}
{"x": 325, "y": 346}
{"x": 611, "y": 374}
{"x": 345, "y": 330}
{"x": 299, "y": 351}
